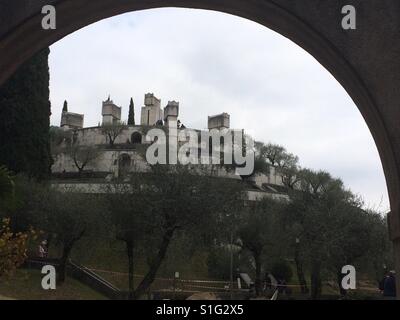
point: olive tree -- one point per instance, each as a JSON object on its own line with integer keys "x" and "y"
{"x": 65, "y": 216}
{"x": 260, "y": 232}
{"x": 113, "y": 131}
{"x": 154, "y": 206}
{"x": 13, "y": 245}
{"x": 329, "y": 222}
{"x": 83, "y": 156}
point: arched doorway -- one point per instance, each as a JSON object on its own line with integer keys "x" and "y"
{"x": 124, "y": 165}
{"x": 136, "y": 138}
{"x": 361, "y": 61}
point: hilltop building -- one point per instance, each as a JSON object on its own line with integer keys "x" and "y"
{"x": 71, "y": 120}
{"x": 106, "y": 161}
{"x": 111, "y": 112}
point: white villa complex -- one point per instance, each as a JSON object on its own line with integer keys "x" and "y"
{"x": 89, "y": 157}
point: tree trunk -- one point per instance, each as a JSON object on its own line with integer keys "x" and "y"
{"x": 63, "y": 263}
{"x": 67, "y": 248}
{"x": 49, "y": 240}
{"x": 300, "y": 272}
{"x": 111, "y": 140}
{"x": 316, "y": 285}
{"x": 258, "y": 281}
{"x": 129, "y": 250}
{"x": 155, "y": 265}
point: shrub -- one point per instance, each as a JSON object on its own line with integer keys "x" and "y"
{"x": 282, "y": 270}
{"x": 219, "y": 263}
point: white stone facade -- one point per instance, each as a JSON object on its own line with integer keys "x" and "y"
{"x": 151, "y": 112}
{"x": 71, "y": 120}
{"x": 111, "y": 112}
{"x": 127, "y": 153}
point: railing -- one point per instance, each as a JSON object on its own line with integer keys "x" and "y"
{"x": 170, "y": 288}
{"x": 93, "y": 280}
{"x": 82, "y": 274}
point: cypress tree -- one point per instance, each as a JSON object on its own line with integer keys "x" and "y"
{"x": 65, "y": 107}
{"x": 25, "y": 119}
{"x": 131, "y": 117}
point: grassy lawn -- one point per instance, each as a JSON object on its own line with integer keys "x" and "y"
{"x": 26, "y": 285}
{"x": 110, "y": 262}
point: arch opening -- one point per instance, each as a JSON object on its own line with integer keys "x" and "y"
{"x": 124, "y": 165}
{"x": 136, "y": 138}
{"x": 18, "y": 47}
{"x": 266, "y": 13}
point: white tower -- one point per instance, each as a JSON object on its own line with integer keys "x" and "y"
{"x": 151, "y": 112}
{"x": 111, "y": 112}
{"x": 220, "y": 121}
{"x": 171, "y": 112}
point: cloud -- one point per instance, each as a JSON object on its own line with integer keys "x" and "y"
{"x": 214, "y": 62}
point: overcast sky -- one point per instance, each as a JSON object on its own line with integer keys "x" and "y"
{"x": 212, "y": 63}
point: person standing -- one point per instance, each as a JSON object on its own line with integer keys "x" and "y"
{"x": 43, "y": 249}
{"x": 389, "y": 286}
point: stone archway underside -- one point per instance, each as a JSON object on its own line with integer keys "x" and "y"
{"x": 365, "y": 61}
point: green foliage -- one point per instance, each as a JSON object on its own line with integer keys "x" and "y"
{"x": 6, "y": 184}
{"x": 285, "y": 163}
{"x": 276, "y": 155}
{"x": 282, "y": 270}
{"x": 7, "y": 193}
{"x": 260, "y": 226}
{"x": 26, "y": 203}
{"x": 24, "y": 119}
{"x": 190, "y": 210}
{"x": 13, "y": 245}
{"x": 13, "y": 248}
{"x": 332, "y": 227}
{"x": 260, "y": 232}
{"x": 261, "y": 166}
{"x": 218, "y": 263}
{"x": 82, "y": 156}
{"x": 66, "y": 215}
{"x": 59, "y": 139}
{"x": 26, "y": 285}
{"x": 62, "y": 214}
{"x": 150, "y": 209}
{"x": 113, "y": 131}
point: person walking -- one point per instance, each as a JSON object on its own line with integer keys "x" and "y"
{"x": 389, "y": 286}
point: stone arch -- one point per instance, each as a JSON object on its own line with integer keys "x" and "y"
{"x": 315, "y": 28}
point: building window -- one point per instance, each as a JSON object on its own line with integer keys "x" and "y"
{"x": 136, "y": 138}
{"x": 124, "y": 164}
